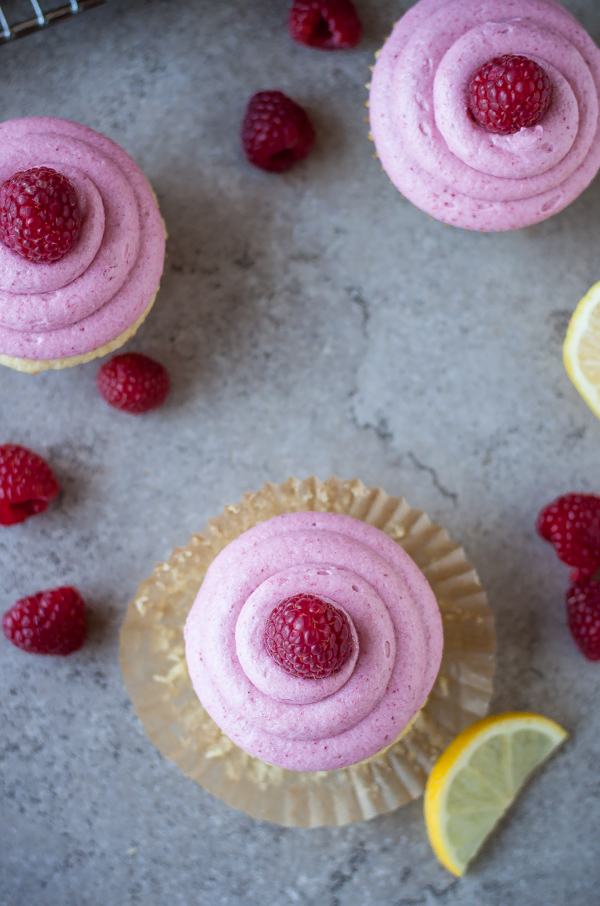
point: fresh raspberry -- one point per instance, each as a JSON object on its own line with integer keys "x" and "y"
{"x": 308, "y": 637}
{"x": 572, "y": 524}
{"x": 51, "y": 622}
{"x": 583, "y": 617}
{"x": 276, "y": 131}
{"x": 133, "y": 382}
{"x": 27, "y": 484}
{"x": 39, "y": 214}
{"x": 508, "y": 93}
{"x": 326, "y": 24}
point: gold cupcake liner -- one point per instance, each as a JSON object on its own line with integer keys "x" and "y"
{"x": 155, "y": 673}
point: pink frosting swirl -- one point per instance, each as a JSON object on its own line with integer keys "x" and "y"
{"x": 102, "y": 286}
{"x": 313, "y": 725}
{"x": 444, "y": 162}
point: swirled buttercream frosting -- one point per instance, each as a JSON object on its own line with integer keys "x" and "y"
{"x": 446, "y": 163}
{"x": 301, "y": 723}
{"x": 103, "y": 285}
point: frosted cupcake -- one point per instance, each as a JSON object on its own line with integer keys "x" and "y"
{"x": 430, "y": 84}
{"x": 58, "y": 310}
{"x": 390, "y": 572}
{"x": 314, "y": 641}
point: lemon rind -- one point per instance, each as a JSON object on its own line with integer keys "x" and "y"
{"x": 453, "y": 760}
{"x": 578, "y": 325}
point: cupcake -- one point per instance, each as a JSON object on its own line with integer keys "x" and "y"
{"x": 272, "y": 742}
{"x": 446, "y": 76}
{"x": 314, "y": 640}
{"x": 58, "y": 310}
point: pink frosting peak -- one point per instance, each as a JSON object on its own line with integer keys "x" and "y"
{"x": 102, "y": 286}
{"x": 447, "y": 164}
{"x": 286, "y": 720}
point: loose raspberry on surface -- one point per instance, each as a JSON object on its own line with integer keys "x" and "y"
{"x": 276, "y": 131}
{"x": 49, "y": 622}
{"x": 40, "y": 217}
{"x": 509, "y": 93}
{"x": 133, "y": 383}
{"x": 326, "y": 24}
{"x": 308, "y": 637}
{"x": 571, "y": 523}
{"x": 583, "y": 617}
{"x": 27, "y": 484}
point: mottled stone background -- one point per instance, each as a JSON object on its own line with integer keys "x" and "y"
{"x": 313, "y": 322}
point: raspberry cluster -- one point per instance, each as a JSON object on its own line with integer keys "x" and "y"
{"x": 276, "y": 131}
{"x": 52, "y": 622}
{"x": 571, "y": 523}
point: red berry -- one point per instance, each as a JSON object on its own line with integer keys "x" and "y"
{"x": 27, "y": 484}
{"x": 326, "y": 24}
{"x": 308, "y": 637}
{"x": 39, "y": 214}
{"x": 572, "y": 524}
{"x": 51, "y": 622}
{"x": 133, "y": 382}
{"x": 508, "y": 93}
{"x": 583, "y": 617}
{"x": 276, "y": 131}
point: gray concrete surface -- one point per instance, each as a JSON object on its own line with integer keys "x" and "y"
{"x": 312, "y": 323}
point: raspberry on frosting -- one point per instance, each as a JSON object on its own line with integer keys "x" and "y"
{"x": 571, "y": 523}
{"x": 509, "y": 93}
{"x": 308, "y": 637}
{"x": 39, "y": 214}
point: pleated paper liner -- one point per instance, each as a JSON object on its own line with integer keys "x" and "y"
{"x": 155, "y": 672}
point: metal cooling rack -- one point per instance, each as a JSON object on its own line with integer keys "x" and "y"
{"x": 14, "y": 25}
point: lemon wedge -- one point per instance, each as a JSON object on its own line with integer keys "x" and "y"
{"x": 477, "y": 778}
{"x": 581, "y": 350}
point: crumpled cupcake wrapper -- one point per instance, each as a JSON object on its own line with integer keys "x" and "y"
{"x": 154, "y": 668}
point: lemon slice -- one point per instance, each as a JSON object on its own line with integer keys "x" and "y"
{"x": 581, "y": 350}
{"x": 477, "y": 778}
